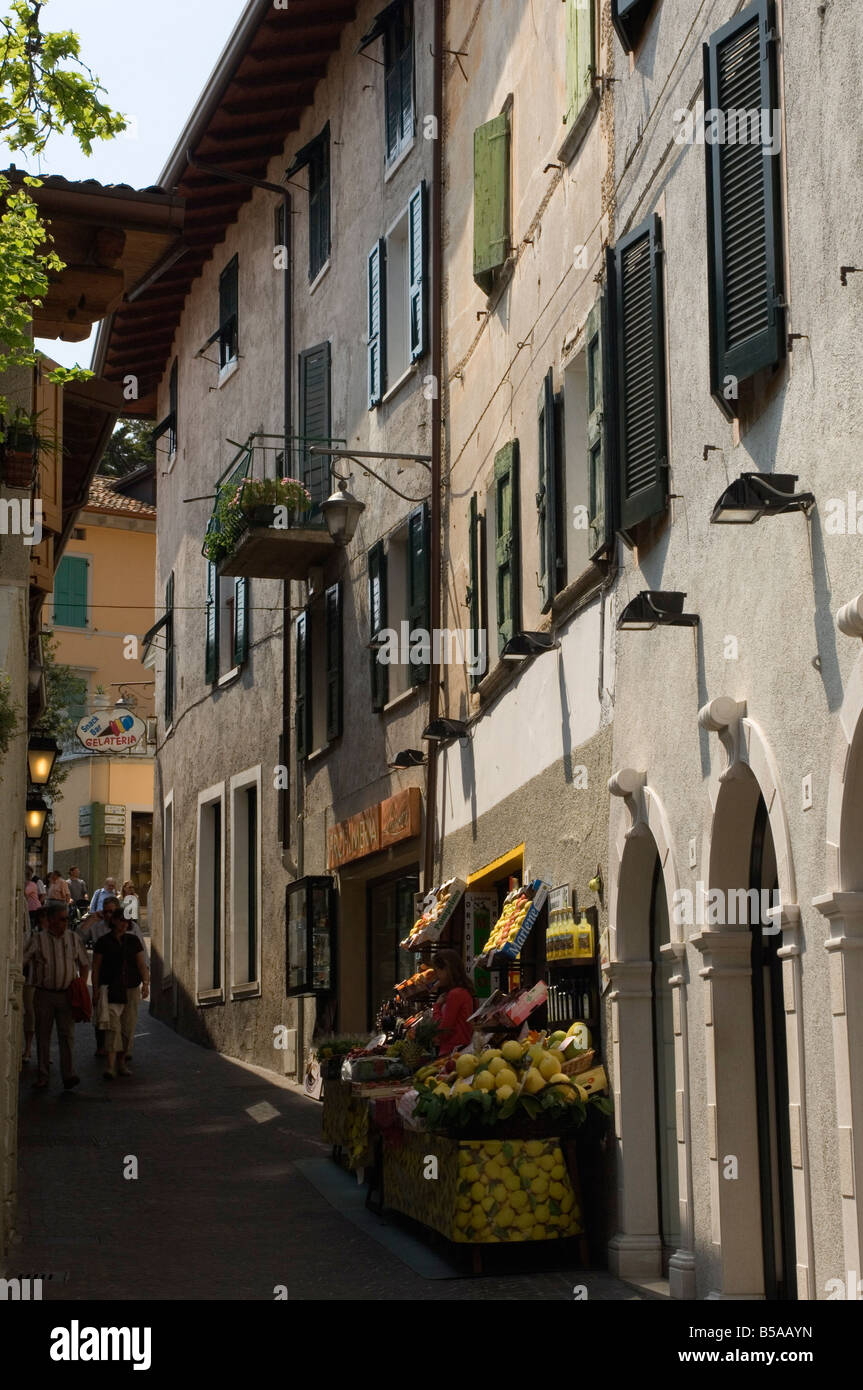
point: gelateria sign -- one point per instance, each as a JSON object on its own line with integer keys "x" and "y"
{"x": 114, "y": 732}
{"x": 378, "y": 827}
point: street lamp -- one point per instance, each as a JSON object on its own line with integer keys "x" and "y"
{"x": 754, "y": 495}
{"x": 42, "y": 754}
{"x": 525, "y": 644}
{"x": 442, "y": 730}
{"x": 655, "y": 608}
{"x": 342, "y": 512}
{"x": 37, "y": 810}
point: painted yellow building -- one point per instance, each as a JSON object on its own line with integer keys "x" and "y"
{"x": 101, "y": 604}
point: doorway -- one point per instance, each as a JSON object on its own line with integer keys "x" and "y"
{"x": 664, "y": 1108}
{"x": 390, "y": 916}
{"x": 141, "y": 859}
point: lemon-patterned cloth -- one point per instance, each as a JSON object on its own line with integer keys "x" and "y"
{"x": 345, "y": 1123}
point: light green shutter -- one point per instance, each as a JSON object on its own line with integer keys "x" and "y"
{"x": 376, "y": 322}
{"x": 70, "y": 592}
{"x": 597, "y": 535}
{"x": 507, "y": 552}
{"x": 580, "y": 63}
{"x": 473, "y": 594}
{"x": 211, "y": 649}
{"x": 416, "y": 275}
{"x": 490, "y": 199}
{"x": 241, "y": 621}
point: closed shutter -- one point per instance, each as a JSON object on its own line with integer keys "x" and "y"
{"x": 377, "y": 257}
{"x": 392, "y": 109}
{"x": 744, "y": 204}
{"x": 507, "y": 553}
{"x": 319, "y": 204}
{"x": 333, "y": 622}
{"x": 406, "y": 83}
{"x": 546, "y": 497}
{"x": 643, "y": 462}
{"x": 580, "y": 63}
{"x": 629, "y": 18}
{"x": 416, "y": 271}
{"x": 490, "y": 199}
{"x": 169, "y": 652}
{"x": 396, "y": 24}
{"x": 418, "y": 582}
{"x": 302, "y": 689}
{"x": 228, "y": 313}
{"x": 473, "y": 593}
{"x": 314, "y": 389}
{"x": 597, "y": 507}
{"x": 241, "y": 621}
{"x": 377, "y": 622}
{"x": 70, "y": 592}
{"x": 211, "y": 651}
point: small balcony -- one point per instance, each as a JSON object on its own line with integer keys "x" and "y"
{"x": 265, "y": 524}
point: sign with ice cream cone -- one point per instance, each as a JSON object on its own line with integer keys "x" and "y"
{"x": 110, "y": 732}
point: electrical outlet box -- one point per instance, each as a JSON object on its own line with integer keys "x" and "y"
{"x": 807, "y": 792}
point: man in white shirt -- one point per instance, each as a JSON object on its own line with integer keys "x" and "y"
{"x": 109, "y": 890}
{"x": 57, "y": 955}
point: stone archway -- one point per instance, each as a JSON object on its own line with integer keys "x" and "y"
{"x": 635, "y": 1252}
{"x": 749, "y": 772}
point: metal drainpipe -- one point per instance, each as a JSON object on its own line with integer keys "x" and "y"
{"x": 437, "y": 410}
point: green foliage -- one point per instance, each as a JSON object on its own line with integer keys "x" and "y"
{"x": 554, "y": 1104}
{"x": 63, "y": 691}
{"x": 235, "y": 500}
{"x": 8, "y": 715}
{"x": 130, "y": 447}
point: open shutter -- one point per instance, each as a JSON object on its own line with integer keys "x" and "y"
{"x": 376, "y": 322}
{"x": 546, "y": 498}
{"x": 333, "y": 621}
{"x": 377, "y": 622}
{"x": 580, "y": 63}
{"x": 392, "y": 108}
{"x": 490, "y": 199}
{"x": 169, "y": 652}
{"x": 315, "y": 420}
{"x": 417, "y": 262}
{"x": 642, "y": 424}
{"x": 406, "y": 84}
{"x": 418, "y": 582}
{"x": 473, "y": 593}
{"x": 302, "y": 692}
{"x": 629, "y": 18}
{"x": 597, "y": 507}
{"x": 319, "y": 204}
{"x": 507, "y": 543}
{"x": 241, "y": 621}
{"x": 743, "y": 204}
{"x": 211, "y": 653}
{"x": 228, "y": 313}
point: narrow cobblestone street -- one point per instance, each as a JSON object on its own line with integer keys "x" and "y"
{"x": 220, "y": 1209}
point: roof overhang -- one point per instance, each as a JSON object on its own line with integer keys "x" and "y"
{"x": 90, "y": 411}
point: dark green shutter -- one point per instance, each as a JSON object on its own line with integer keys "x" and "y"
{"x": 333, "y": 630}
{"x": 546, "y": 497}
{"x": 241, "y": 621}
{"x": 211, "y": 652}
{"x": 229, "y": 312}
{"x": 392, "y": 105}
{"x": 302, "y": 689}
{"x": 377, "y": 257}
{"x": 580, "y": 62}
{"x": 172, "y": 406}
{"x": 418, "y": 582}
{"x": 473, "y": 593}
{"x": 507, "y": 551}
{"x": 416, "y": 271}
{"x": 314, "y": 386}
{"x": 490, "y": 199}
{"x": 396, "y": 24}
{"x": 70, "y": 592}
{"x": 319, "y": 203}
{"x": 169, "y": 652}
{"x": 597, "y": 518}
{"x": 377, "y": 621}
{"x": 642, "y": 424}
{"x": 629, "y": 18}
{"x": 745, "y": 255}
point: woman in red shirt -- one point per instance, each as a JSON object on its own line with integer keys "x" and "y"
{"x": 455, "y": 1002}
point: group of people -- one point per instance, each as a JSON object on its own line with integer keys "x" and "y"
{"x": 55, "y": 956}
{"x": 85, "y": 913}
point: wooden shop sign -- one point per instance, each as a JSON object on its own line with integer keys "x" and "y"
{"x": 400, "y": 816}
{"x": 397, "y": 818}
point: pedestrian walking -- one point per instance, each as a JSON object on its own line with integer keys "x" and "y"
{"x": 31, "y": 896}
{"x": 78, "y": 888}
{"x": 58, "y": 957}
{"x": 29, "y": 991}
{"x": 108, "y": 890}
{"x": 130, "y": 905}
{"x": 58, "y": 889}
{"x": 120, "y": 971}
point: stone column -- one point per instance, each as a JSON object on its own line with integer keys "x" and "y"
{"x": 681, "y": 1266}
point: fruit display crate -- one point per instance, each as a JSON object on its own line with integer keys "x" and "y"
{"x": 345, "y": 1125}
{"x": 483, "y": 1191}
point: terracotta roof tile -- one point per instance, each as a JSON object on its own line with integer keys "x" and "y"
{"x": 103, "y": 498}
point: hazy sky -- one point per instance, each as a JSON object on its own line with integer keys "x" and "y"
{"x": 153, "y": 57}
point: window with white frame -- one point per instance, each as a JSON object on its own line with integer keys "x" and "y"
{"x": 397, "y": 298}
{"x": 245, "y": 880}
{"x": 210, "y": 878}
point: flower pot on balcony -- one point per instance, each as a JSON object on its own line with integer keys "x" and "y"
{"x": 18, "y": 468}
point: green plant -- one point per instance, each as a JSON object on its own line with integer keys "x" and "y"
{"x": 21, "y": 433}
{"x": 8, "y": 715}
{"x": 234, "y": 502}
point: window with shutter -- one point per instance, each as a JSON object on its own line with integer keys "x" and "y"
{"x": 507, "y": 543}
{"x": 745, "y": 257}
{"x": 314, "y": 389}
{"x": 333, "y": 623}
{"x": 242, "y": 590}
{"x": 169, "y": 652}
{"x": 473, "y": 597}
{"x": 630, "y": 18}
{"x": 550, "y": 561}
{"x": 376, "y": 336}
{"x": 599, "y": 531}
{"x": 302, "y": 687}
{"x": 315, "y": 158}
{"x": 399, "y": 78}
{"x": 377, "y": 622}
{"x": 640, "y": 351}
{"x": 418, "y": 583}
{"x": 70, "y": 592}
{"x": 490, "y": 199}
{"x": 416, "y": 272}
{"x": 229, "y": 313}
{"x": 211, "y": 648}
{"x": 172, "y": 405}
{"x": 581, "y": 92}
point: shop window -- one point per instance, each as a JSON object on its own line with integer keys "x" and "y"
{"x": 390, "y": 917}
{"x": 245, "y": 878}
{"x": 210, "y": 891}
{"x": 311, "y": 928}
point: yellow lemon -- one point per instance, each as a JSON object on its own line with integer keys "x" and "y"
{"x": 462, "y": 1219}
{"x": 527, "y": 1171}
{"x": 549, "y": 1066}
{"x": 510, "y": 1180}
{"x": 461, "y": 1086}
{"x": 500, "y": 1193}
{"x": 503, "y": 1093}
{"x": 477, "y": 1218}
{"x": 541, "y": 1212}
{"x": 484, "y": 1081}
{"x": 505, "y": 1217}
{"x": 459, "y": 1235}
{"x": 559, "y": 1079}
{"x": 493, "y": 1171}
{"x": 487, "y": 1203}
{"x": 492, "y": 1147}
{"x": 471, "y": 1173}
{"x": 557, "y": 1172}
{"x": 489, "y": 1055}
{"x": 566, "y": 1202}
{"x": 538, "y": 1233}
{"x": 466, "y": 1064}
{"x": 511, "y": 1050}
{"x": 546, "y": 1162}
{"x": 556, "y": 1190}
{"x": 518, "y": 1200}
{"x": 539, "y": 1186}
{"x": 534, "y": 1148}
{"x": 506, "y": 1077}
{"x": 533, "y": 1082}
{"x": 477, "y": 1192}
{"x": 495, "y": 1065}
{"x": 441, "y": 1090}
{"x": 464, "y": 1203}
{"x": 524, "y": 1220}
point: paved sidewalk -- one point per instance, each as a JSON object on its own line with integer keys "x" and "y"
{"x": 218, "y": 1210}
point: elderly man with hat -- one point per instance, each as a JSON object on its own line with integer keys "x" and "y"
{"x": 57, "y": 957}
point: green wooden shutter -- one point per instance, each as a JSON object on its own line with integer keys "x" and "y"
{"x": 319, "y": 204}
{"x": 642, "y": 425}
{"x": 333, "y": 621}
{"x": 507, "y": 552}
{"x": 172, "y": 406}
{"x": 580, "y": 61}
{"x": 314, "y": 386}
{"x": 169, "y": 652}
{"x": 241, "y": 621}
{"x": 211, "y": 650}
{"x": 473, "y": 593}
{"x": 598, "y": 536}
{"x": 745, "y": 254}
{"x": 229, "y": 313}
{"x": 70, "y": 592}
{"x": 376, "y": 288}
{"x": 490, "y": 199}
{"x": 302, "y": 688}
{"x": 377, "y": 621}
{"x": 416, "y": 271}
{"x": 546, "y": 497}
{"x": 406, "y": 83}
{"x": 629, "y": 18}
{"x": 418, "y": 582}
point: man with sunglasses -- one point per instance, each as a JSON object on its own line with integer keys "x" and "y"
{"x": 120, "y": 968}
